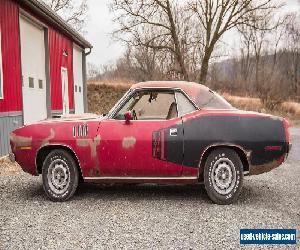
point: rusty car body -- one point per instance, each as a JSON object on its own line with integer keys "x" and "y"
{"x": 159, "y": 132}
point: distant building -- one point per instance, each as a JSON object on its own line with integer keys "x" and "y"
{"x": 42, "y": 66}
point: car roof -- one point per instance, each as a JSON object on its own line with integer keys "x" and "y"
{"x": 192, "y": 89}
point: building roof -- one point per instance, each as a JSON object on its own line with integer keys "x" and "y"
{"x": 192, "y": 89}
{"x": 39, "y": 7}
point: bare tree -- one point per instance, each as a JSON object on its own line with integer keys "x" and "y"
{"x": 92, "y": 71}
{"x": 218, "y": 16}
{"x": 246, "y": 52}
{"x": 70, "y": 11}
{"x": 261, "y": 38}
{"x": 156, "y": 24}
{"x": 292, "y": 46}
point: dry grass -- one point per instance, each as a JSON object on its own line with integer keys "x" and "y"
{"x": 114, "y": 83}
{"x": 289, "y": 110}
{"x": 7, "y": 168}
{"x": 103, "y": 95}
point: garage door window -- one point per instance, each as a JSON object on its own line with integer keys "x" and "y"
{"x": 1, "y": 71}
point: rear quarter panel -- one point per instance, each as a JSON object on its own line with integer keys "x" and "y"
{"x": 252, "y": 132}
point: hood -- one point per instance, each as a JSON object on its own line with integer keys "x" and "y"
{"x": 70, "y": 118}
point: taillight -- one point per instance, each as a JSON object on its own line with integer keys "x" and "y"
{"x": 286, "y": 129}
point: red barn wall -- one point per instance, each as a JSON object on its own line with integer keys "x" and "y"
{"x": 58, "y": 44}
{"x": 10, "y": 37}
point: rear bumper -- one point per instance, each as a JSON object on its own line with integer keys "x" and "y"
{"x": 260, "y": 169}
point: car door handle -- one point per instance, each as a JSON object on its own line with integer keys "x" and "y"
{"x": 173, "y": 132}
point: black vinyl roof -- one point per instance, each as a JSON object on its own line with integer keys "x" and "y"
{"x": 39, "y": 7}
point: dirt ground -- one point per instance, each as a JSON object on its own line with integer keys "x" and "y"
{"x": 7, "y": 168}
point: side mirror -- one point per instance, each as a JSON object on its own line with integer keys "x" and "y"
{"x": 128, "y": 117}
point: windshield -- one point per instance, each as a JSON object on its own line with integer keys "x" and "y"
{"x": 110, "y": 113}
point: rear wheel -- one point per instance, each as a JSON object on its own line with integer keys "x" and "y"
{"x": 60, "y": 175}
{"x": 223, "y": 176}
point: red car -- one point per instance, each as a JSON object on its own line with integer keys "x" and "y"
{"x": 158, "y": 132}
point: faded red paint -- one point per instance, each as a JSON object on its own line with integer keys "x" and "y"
{"x": 126, "y": 149}
{"x": 11, "y": 61}
{"x": 61, "y": 55}
{"x": 112, "y": 148}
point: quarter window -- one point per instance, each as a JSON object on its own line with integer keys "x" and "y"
{"x": 184, "y": 104}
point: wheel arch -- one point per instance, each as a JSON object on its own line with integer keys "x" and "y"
{"x": 242, "y": 153}
{"x": 45, "y": 150}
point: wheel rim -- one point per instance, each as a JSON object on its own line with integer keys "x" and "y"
{"x": 58, "y": 176}
{"x": 223, "y": 176}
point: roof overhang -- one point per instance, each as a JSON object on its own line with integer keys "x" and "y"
{"x": 43, "y": 10}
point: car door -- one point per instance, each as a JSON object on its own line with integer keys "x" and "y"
{"x": 139, "y": 148}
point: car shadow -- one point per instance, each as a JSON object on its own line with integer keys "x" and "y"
{"x": 141, "y": 192}
{"x": 96, "y": 192}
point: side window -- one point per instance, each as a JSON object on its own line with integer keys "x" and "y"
{"x": 1, "y": 70}
{"x": 150, "y": 105}
{"x": 184, "y": 104}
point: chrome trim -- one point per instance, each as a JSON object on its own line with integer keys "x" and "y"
{"x": 173, "y": 132}
{"x": 140, "y": 178}
{"x": 188, "y": 98}
{"x": 119, "y": 103}
{"x": 74, "y": 131}
{"x": 247, "y": 153}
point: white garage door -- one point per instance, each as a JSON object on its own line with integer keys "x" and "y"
{"x": 78, "y": 80}
{"x": 33, "y": 71}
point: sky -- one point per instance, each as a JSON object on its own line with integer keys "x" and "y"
{"x": 100, "y": 26}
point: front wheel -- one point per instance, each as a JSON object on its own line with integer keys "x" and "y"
{"x": 60, "y": 175}
{"x": 223, "y": 176}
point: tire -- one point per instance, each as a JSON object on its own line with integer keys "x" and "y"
{"x": 60, "y": 175}
{"x": 223, "y": 176}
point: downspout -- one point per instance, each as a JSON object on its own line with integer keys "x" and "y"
{"x": 84, "y": 79}
{"x": 89, "y": 52}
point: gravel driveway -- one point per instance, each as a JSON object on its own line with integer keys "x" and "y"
{"x": 147, "y": 217}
